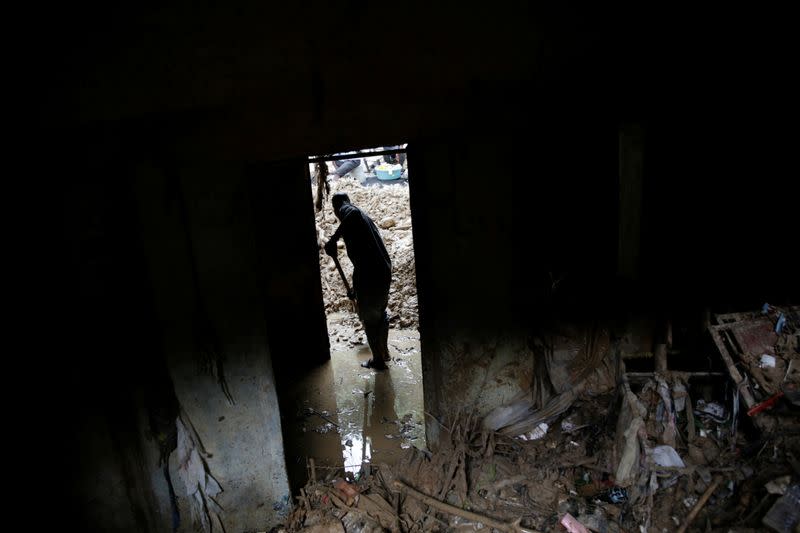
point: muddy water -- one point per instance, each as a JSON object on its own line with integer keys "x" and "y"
{"x": 347, "y": 415}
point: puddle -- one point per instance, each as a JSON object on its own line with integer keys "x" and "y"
{"x": 371, "y": 416}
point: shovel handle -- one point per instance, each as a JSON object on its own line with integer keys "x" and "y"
{"x": 341, "y": 273}
{"x": 344, "y": 280}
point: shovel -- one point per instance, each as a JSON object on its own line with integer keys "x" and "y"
{"x": 346, "y": 285}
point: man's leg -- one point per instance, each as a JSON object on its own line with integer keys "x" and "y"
{"x": 372, "y": 312}
{"x": 385, "y": 339}
{"x": 385, "y": 326}
{"x": 343, "y": 167}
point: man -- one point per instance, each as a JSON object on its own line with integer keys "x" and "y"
{"x": 372, "y": 273}
{"x": 343, "y": 167}
{"x": 396, "y": 159}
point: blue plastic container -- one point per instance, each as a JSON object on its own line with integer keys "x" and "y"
{"x": 388, "y": 175}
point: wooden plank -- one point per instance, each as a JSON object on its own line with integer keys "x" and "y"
{"x": 736, "y": 376}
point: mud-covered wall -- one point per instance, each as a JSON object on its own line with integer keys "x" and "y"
{"x": 496, "y": 220}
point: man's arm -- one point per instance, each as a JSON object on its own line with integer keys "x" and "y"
{"x": 330, "y": 247}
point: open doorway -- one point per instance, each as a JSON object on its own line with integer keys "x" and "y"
{"x": 350, "y": 416}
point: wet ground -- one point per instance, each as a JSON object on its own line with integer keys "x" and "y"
{"x": 349, "y": 416}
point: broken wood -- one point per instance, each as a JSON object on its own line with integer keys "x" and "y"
{"x": 660, "y": 353}
{"x": 682, "y": 374}
{"x": 700, "y": 504}
{"x": 736, "y": 376}
{"x": 455, "y": 511}
{"x": 691, "y": 432}
{"x": 312, "y": 411}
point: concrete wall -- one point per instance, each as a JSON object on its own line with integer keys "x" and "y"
{"x": 245, "y": 438}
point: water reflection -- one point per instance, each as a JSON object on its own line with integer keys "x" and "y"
{"x": 377, "y": 414}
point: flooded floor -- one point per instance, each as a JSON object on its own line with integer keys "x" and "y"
{"x": 349, "y": 416}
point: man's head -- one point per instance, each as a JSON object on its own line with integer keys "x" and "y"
{"x": 337, "y": 200}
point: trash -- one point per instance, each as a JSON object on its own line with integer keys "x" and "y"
{"x": 767, "y": 361}
{"x": 668, "y": 436}
{"x": 780, "y": 323}
{"x": 347, "y": 491}
{"x": 766, "y": 404}
{"x": 700, "y": 504}
{"x": 567, "y": 426}
{"x": 679, "y": 394}
{"x": 537, "y": 433}
{"x": 630, "y": 452}
{"x": 616, "y": 495}
{"x": 666, "y": 456}
{"x": 506, "y": 414}
{"x": 785, "y": 512}
{"x": 713, "y": 410}
{"x": 778, "y": 485}
{"x": 572, "y": 525}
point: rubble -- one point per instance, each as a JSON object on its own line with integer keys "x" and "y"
{"x": 389, "y": 207}
{"x": 590, "y": 449}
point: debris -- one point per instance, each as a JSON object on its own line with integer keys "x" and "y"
{"x": 322, "y": 414}
{"x": 778, "y": 485}
{"x": 617, "y": 495}
{"x": 780, "y": 323}
{"x": 784, "y": 515}
{"x": 629, "y": 425}
{"x": 450, "y": 509}
{"x": 713, "y": 410}
{"x": 603, "y": 458}
{"x": 700, "y": 504}
{"x": 346, "y": 491}
{"x": 767, "y": 361}
{"x": 766, "y": 404}
{"x": 666, "y": 456}
{"x": 679, "y": 394}
{"x": 572, "y": 525}
{"x": 537, "y": 433}
{"x": 757, "y": 349}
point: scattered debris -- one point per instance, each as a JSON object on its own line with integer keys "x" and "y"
{"x": 667, "y": 456}
{"x": 593, "y": 449}
{"x": 572, "y": 525}
{"x": 778, "y": 485}
{"x": 758, "y": 350}
{"x": 784, "y": 516}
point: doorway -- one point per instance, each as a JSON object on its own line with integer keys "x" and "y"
{"x": 349, "y": 417}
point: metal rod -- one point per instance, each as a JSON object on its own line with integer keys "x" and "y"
{"x": 356, "y": 155}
